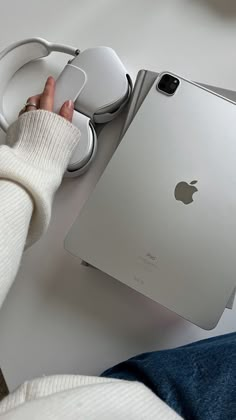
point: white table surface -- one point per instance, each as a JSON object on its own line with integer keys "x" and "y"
{"x": 60, "y": 317}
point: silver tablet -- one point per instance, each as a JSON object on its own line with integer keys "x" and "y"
{"x": 162, "y": 217}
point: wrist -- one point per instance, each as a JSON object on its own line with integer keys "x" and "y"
{"x": 39, "y": 147}
{"x": 43, "y": 139}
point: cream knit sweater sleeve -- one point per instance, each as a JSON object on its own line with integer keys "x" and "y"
{"x": 37, "y": 151}
{"x": 39, "y": 146}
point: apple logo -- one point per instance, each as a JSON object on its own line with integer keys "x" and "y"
{"x": 184, "y": 192}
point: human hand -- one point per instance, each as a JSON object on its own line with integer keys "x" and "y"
{"x": 46, "y": 101}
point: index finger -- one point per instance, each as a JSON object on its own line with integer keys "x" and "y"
{"x": 47, "y": 97}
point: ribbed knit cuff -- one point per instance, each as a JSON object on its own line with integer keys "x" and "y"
{"x": 43, "y": 139}
{"x": 41, "y": 144}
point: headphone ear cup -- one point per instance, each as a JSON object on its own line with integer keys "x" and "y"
{"x": 102, "y": 83}
{"x": 85, "y": 152}
{"x": 109, "y": 116}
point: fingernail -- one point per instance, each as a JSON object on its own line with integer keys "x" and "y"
{"x": 70, "y": 104}
{"x": 50, "y": 79}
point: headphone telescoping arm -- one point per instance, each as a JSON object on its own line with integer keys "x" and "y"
{"x": 49, "y": 47}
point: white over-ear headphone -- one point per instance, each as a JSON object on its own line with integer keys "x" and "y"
{"x": 94, "y": 79}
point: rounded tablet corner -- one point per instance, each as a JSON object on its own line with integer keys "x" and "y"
{"x": 211, "y": 324}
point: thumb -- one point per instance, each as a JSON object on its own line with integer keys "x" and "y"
{"x": 67, "y": 110}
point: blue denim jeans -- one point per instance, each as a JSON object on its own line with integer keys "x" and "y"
{"x": 198, "y": 380}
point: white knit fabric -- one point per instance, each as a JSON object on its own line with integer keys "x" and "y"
{"x": 39, "y": 146}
